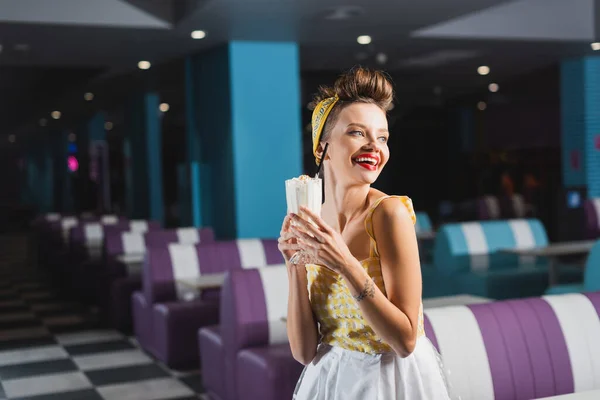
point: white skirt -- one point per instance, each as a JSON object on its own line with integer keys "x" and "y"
{"x": 340, "y": 374}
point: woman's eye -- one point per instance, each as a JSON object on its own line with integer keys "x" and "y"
{"x": 383, "y": 139}
{"x": 355, "y": 133}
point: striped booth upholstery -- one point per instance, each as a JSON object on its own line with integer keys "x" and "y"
{"x": 87, "y": 244}
{"x": 180, "y": 235}
{"x": 249, "y": 354}
{"x": 115, "y": 282}
{"x": 591, "y": 209}
{"x": 178, "y": 311}
{"x": 128, "y": 290}
{"x": 519, "y": 349}
{"x": 468, "y": 253}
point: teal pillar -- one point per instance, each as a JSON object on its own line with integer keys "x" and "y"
{"x": 248, "y": 107}
{"x": 580, "y": 131}
{"x": 46, "y": 181}
{"x": 191, "y": 173}
{"x": 62, "y": 174}
{"x": 184, "y": 184}
{"x": 143, "y": 153}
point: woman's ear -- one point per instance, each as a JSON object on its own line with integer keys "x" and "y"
{"x": 320, "y": 149}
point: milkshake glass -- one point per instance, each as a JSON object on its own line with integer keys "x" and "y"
{"x": 303, "y": 191}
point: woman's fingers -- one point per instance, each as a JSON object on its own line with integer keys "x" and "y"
{"x": 316, "y": 218}
{"x": 309, "y": 228}
{"x": 289, "y": 247}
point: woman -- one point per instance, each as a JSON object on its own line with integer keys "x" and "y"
{"x": 355, "y": 317}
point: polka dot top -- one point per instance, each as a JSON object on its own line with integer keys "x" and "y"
{"x": 340, "y": 319}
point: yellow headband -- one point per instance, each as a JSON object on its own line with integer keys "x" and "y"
{"x": 319, "y": 117}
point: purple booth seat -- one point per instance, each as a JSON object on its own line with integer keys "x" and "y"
{"x": 591, "y": 209}
{"x": 118, "y": 284}
{"x": 519, "y": 349}
{"x": 178, "y": 311}
{"x": 86, "y": 246}
{"x": 124, "y": 298}
{"x": 248, "y": 355}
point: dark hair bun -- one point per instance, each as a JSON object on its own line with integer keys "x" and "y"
{"x": 360, "y": 85}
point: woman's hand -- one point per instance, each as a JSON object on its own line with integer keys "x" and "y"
{"x": 321, "y": 241}
{"x": 287, "y": 243}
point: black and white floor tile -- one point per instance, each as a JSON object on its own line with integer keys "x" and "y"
{"x": 54, "y": 350}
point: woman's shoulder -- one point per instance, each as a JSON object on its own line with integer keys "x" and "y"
{"x": 391, "y": 206}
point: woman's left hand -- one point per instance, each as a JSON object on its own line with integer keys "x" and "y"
{"x": 321, "y": 241}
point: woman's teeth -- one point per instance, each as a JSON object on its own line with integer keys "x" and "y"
{"x": 366, "y": 160}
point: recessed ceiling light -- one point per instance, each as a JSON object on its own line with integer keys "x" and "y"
{"x": 56, "y": 114}
{"x": 595, "y": 46}
{"x": 43, "y": 122}
{"x": 363, "y": 39}
{"x": 88, "y": 96}
{"x": 493, "y": 87}
{"x": 108, "y": 125}
{"x": 164, "y": 107}
{"x": 12, "y": 138}
{"x": 144, "y": 65}
{"x": 198, "y": 35}
{"x": 381, "y": 58}
{"x": 481, "y": 105}
{"x": 72, "y": 137}
{"x": 483, "y": 70}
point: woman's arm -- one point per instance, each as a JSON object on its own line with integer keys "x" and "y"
{"x": 393, "y": 318}
{"x": 301, "y": 324}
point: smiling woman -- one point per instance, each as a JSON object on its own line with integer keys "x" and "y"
{"x": 364, "y": 289}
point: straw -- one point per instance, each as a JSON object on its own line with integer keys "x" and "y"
{"x": 322, "y": 158}
{"x": 319, "y": 170}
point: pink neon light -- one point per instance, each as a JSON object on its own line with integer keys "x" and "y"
{"x": 72, "y": 163}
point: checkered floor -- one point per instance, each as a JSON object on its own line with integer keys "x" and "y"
{"x": 54, "y": 350}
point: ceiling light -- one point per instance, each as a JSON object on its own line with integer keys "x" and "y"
{"x": 72, "y": 137}
{"x": 56, "y": 114}
{"x": 493, "y": 87}
{"x": 198, "y": 35}
{"x": 144, "y": 65}
{"x": 108, "y": 125}
{"x": 363, "y": 39}
{"x": 12, "y": 138}
{"x": 595, "y": 46}
{"x": 164, "y": 107}
{"x": 88, "y": 96}
{"x": 381, "y": 58}
{"x": 481, "y": 105}
{"x": 483, "y": 70}
{"x": 43, "y": 122}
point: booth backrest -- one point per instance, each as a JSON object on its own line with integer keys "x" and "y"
{"x": 519, "y": 349}
{"x": 473, "y": 246}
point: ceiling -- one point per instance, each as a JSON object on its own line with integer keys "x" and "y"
{"x": 53, "y": 50}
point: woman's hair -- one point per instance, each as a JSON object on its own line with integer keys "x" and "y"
{"x": 359, "y": 85}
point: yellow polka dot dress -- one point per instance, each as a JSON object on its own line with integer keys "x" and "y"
{"x": 351, "y": 352}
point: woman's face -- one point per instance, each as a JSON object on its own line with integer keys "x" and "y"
{"x": 358, "y": 148}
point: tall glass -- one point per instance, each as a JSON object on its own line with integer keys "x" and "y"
{"x": 308, "y": 192}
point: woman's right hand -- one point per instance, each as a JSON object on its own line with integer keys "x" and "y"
{"x": 287, "y": 243}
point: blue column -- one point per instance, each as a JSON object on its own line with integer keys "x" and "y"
{"x": 248, "y": 109}
{"x": 144, "y": 189}
{"x": 580, "y": 136}
{"x": 46, "y": 192}
{"x": 62, "y": 175}
{"x": 190, "y": 199}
